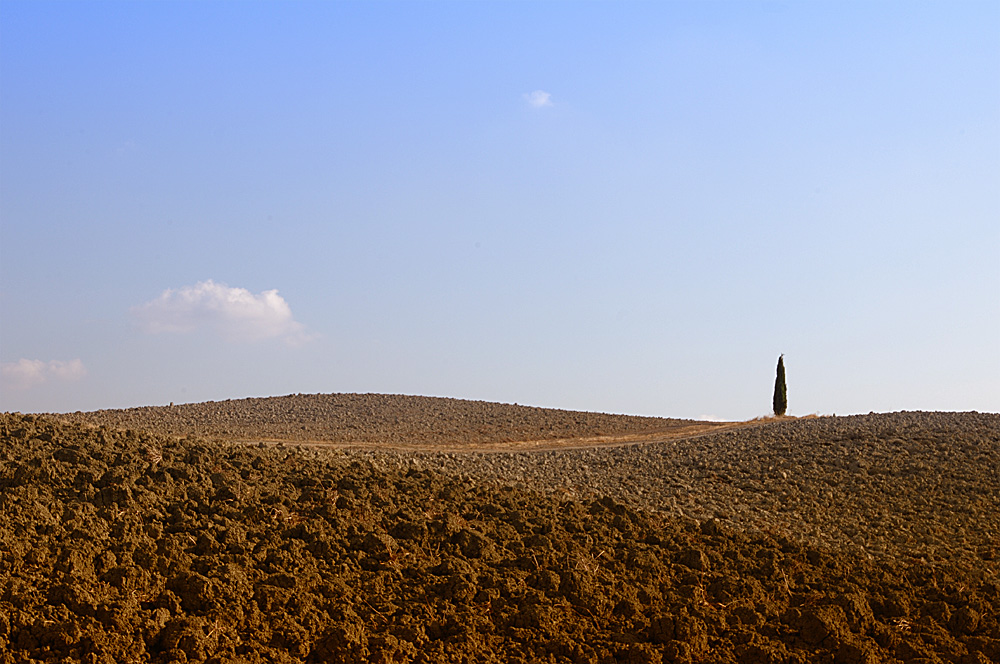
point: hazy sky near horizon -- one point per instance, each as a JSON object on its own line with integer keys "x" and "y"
{"x": 625, "y": 207}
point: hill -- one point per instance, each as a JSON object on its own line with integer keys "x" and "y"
{"x": 855, "y": 539}
{"x": 382, "y": 421}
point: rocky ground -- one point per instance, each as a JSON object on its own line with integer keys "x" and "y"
{"x": 171, "y": 539}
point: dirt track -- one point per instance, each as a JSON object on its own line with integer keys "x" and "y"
{"x": 141, "y": 546}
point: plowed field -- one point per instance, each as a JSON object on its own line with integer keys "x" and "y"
{"x": 188, "y": 534}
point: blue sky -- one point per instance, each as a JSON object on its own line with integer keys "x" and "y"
{"x": 624, "y": 207}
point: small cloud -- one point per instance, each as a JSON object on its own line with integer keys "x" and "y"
{"x": 712, "y": 418}
{"x": 26, "y": 374}
{"x": 128, "y": 147}
{"x": 235, "y": 314}
{"x": 538, "y": 98}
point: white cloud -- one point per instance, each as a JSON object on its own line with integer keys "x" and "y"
{"x": 25, "y": 374}
{"x": 538, "y": 98}
{"x": 235, "y": 314}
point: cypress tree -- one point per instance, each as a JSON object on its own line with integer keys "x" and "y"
{"x": 780, "y": 394}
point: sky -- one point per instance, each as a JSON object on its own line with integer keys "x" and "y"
{"x": 626, "y": 207}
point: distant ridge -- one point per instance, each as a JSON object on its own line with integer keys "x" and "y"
{"x": 375, "y": 419}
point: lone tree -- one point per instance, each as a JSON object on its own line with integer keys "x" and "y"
{"x": 780, "y": 394}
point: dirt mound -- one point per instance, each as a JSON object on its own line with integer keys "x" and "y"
{"x": 380, "y": 419}
{"x": 130, "y": 546}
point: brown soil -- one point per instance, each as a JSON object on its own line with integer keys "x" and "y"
{"x": 135, "y": 545}
{"x": 383, "y": 422}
